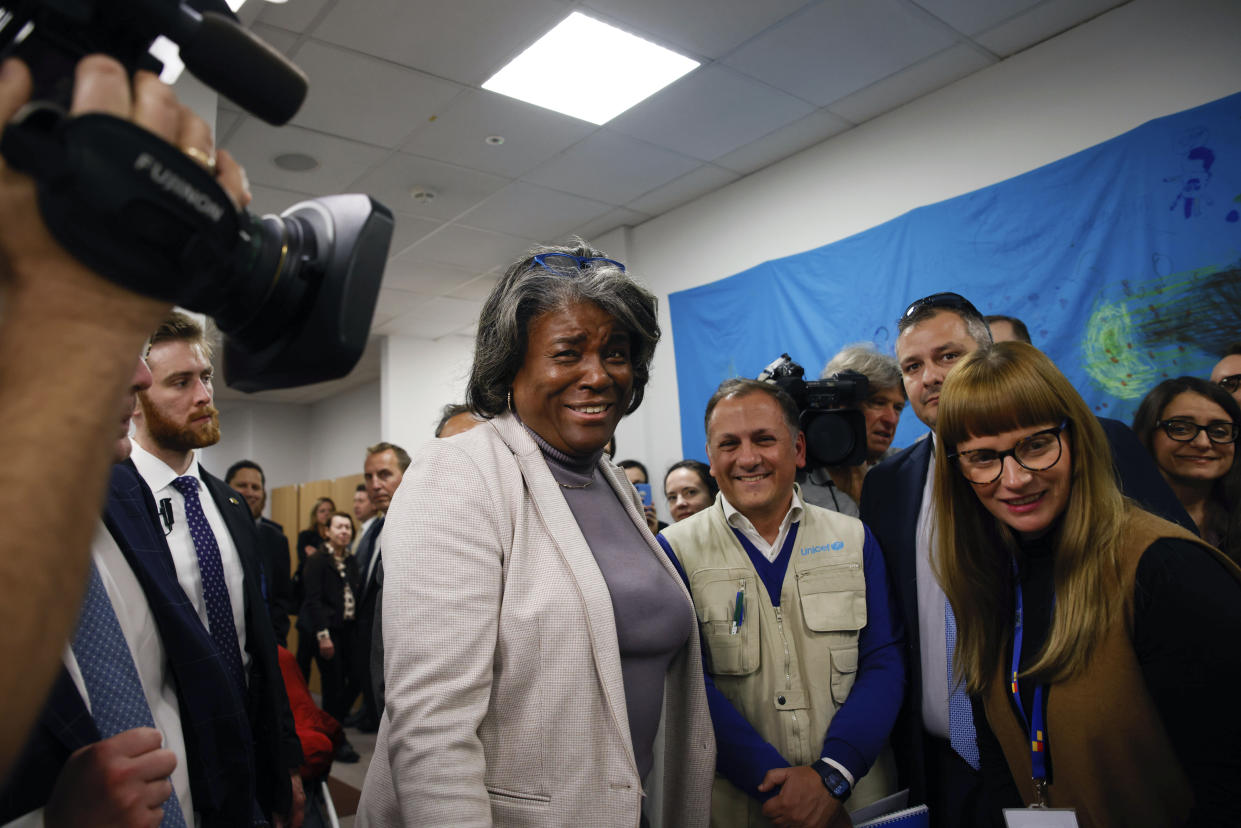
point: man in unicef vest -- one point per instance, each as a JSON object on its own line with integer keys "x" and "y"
{"x": 802, "y": 650}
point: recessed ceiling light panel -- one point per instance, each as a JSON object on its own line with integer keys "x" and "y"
{"x": 589, "y": 70}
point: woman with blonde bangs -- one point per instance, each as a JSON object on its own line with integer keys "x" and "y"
{"x": 1098, "y": 641}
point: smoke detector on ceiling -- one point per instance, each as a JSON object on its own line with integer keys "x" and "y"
{"x": 422, "y": 195}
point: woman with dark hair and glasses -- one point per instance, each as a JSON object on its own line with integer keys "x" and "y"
{"x": 1190, "y": 427}
{"x": 534, "y": 630}
{"x": 1098, "y": 641}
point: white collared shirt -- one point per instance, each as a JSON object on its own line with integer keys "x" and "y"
{"x": 742, "y": 524}
{"x": 933, "y": 648}
{"x": 147, "y": 649}
{"x": 159, "y": 476}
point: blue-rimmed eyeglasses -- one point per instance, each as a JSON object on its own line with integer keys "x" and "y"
{"x": 955, "y": 301}
{"x": 562, "y": 264}
{"x": 1186, "y": 431}
{"x": 1037, "y": 452}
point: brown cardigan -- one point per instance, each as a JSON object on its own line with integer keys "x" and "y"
{"x": 1113, "y": 760}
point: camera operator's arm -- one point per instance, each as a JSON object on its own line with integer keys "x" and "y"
{"x": 67, "y": 345}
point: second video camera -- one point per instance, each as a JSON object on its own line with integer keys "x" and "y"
{"x": 835, "y": 429}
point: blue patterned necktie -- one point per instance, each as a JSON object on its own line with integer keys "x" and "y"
{"x": 116, "y": 699}
{"x": 961, "y": 733}
{"x": 215, "y": 590}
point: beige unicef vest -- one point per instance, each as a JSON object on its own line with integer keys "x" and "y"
{"x": 787, "y": 670}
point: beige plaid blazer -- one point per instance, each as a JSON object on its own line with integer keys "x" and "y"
{"x": 505, "y": 704}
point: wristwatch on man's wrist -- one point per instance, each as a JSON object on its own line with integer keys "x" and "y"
{"x": 837, "y": 783}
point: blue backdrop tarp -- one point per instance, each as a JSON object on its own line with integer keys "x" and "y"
{"x": 1124, "y": 260}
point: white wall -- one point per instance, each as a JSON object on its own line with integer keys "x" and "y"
{"x": 420, "y": 377}
{"x": 341, "y": 427}
{"x": 1144, "y": 60}
{"x": 298, "y": 443}
{"x": 274, "y": 435}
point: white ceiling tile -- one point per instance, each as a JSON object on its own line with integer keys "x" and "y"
{"x": 225, "y": 120}
{"x": 620, "y": 217}
{"x": 839, "y": 46}
{"x": 478, "y": 251}
{"x": 294, "y": 16}
{"x": 463, "y": 40}
{"x": 688, "y": 187}
{"x": 341, "y": 162}
{"x": 815, "y": 128}
{"x": 456, "y": 188}
{"x": 248, "y": 13}
{"x": 973, "y": 16}
{"x": 406, "y": 273}
{"x": 927, "y": 76}
{"x": 409, "y": 229}
{"x": 705, "y": 28}
{"x": 364, "y": 98}
{"x": 533, "y": 212}
{"x": 273, "y": 200}
{"x": 438, "y": 317}
{"x": 531, "y": 134}
{"x": 281, "y": 40}
{"x": 393, "y": 302}
{"x": 1042, "y": 22}
{"x": 611, "y": 168}
{"x": 710, "y": 112}
{"x": 479, "y": 288}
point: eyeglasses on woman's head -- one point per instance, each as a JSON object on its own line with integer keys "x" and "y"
{"x": 563, "y": 264}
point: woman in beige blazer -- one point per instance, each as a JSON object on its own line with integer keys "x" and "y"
{"x": 534, "y": 630}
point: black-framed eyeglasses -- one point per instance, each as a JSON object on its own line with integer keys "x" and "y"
{"x": 562, "y": 264}
{"x": 1229, "y": 383}
{"x": 954, "y": 301}
{"x": 1036, "y": 452}
{"x": 1186, "y": 431}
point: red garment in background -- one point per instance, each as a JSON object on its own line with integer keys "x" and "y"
{"x": 319, "y": 733}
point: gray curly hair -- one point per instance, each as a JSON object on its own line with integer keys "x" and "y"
{"x": 881, "y": 370}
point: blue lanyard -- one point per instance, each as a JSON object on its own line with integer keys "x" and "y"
{"x": 1036, "y": 727}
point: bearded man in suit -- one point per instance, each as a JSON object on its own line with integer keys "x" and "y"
{"x": 215, "y": 551}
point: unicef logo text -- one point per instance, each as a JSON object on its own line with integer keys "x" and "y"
{"x": 834, "y": 546}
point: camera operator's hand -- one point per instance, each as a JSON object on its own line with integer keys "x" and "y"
{"x": 68, "y": 339}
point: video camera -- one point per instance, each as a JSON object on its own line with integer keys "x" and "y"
{"x": 835, "y": 430}
{"x": 293, "y": 294}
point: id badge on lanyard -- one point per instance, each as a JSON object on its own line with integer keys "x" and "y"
{"x": 1037, "y": 815}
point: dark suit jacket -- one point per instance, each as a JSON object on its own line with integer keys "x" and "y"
{"x": 275, "y": 562}
{"x": 278, "y": 751}
{"x": 217, "y": 734}
{"x": 891, "y": 499}
{"x": 325, "y": 590}
{"x": 370, "y": 622}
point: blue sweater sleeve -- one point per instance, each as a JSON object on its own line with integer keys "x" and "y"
{"x": 742, "y": 756}
{"x": 861, "y": 726}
